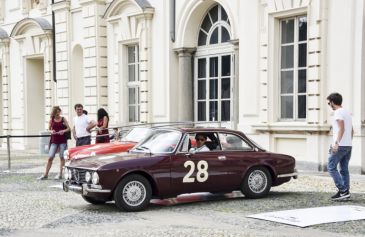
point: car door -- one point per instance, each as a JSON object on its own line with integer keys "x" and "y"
{"x": 238, "y": 156}
{"x": 200, "y": 171}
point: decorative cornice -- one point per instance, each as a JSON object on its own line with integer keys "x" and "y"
{"x": 41, "y": 22}
{"x": 88, "y": 2}
{"x": 184, "y": 51}
{"x": 3, "y": 34}
{"x": 235, "y": 42}
{"x": 147, "y": 10}
{"x": 291, "y": 128}
{"x": 61, "y": 6}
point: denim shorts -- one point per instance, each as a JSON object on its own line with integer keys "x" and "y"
{"x": 54, "y": 148}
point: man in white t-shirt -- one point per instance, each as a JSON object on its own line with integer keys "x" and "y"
{"x": 200, "y": 139}
{"x": 340, "y": 152}
{"x": 82, "y": 127}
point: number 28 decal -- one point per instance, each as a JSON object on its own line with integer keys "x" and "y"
{"x": 201, "y": 175}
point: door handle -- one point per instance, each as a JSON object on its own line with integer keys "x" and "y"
{"x": 221, "y": 157}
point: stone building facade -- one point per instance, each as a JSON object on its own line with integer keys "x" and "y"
{"x": 261, "y": 66}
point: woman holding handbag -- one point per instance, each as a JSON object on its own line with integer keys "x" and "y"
{"x": 58, "y": 126}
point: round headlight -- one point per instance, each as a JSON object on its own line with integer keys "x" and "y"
{"x": 88, "y": 177}
{"x": 65, "y": 155}
{"x": 95, "y": 178}
{"x": 65, "y": 172}
{"x": 69, "y": 174}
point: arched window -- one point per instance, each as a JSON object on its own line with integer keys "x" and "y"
{"x": 215, "y": 27}
{"x": 214, "y": 67}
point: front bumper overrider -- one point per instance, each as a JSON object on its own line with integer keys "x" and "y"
{"x": 83, "y": 189}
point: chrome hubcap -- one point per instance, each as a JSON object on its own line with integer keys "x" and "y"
{"x": 257, "y": 181}
{"x": 134, "y": 193}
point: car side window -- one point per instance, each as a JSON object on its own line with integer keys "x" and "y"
{"x": 231, "y": 142}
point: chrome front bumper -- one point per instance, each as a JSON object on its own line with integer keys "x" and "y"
{"x": 294, "y": 175}
{"x": 83, "y": 189}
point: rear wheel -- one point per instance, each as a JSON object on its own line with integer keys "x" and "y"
{"x": 257, "y": 183}
{"x": 133, "y": 193}
{"x": 93, "y": 200}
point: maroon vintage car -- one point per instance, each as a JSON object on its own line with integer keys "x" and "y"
{"x": 164, "y": 165}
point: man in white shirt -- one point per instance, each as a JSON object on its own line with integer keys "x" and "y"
{"x": 340, "y": 152}
{"x": 82, "y": 127}
{"x": 200, "y": 139}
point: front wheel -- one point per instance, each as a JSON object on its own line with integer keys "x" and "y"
{"x": 133, "y": 193}
{"x": 257, "y": 183}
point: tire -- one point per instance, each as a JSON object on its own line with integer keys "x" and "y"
{"x": 93, "y": 200}
{"x": 257, "y": 182}
{"x": 133, "y": 193}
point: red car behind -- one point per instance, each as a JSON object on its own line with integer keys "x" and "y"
{"x": 133, "y": 136}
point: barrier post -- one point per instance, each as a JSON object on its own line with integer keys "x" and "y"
{"x": 8, "y": 144}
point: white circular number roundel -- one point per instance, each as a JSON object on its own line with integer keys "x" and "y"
{"x": 201, "y": 175}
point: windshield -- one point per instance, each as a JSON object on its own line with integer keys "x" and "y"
{"x": 159, "y": 141}
{"x": 136, "y": 135}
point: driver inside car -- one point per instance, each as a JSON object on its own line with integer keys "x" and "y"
{"x": 200, "y": 139}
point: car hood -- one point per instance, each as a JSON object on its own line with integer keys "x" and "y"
{"x": 99, "y": 161}
{"x": 103, "y": 148}
{"x": 75, "y": 149}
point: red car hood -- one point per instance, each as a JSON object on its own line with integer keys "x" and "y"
{"x": 73, "y": 150}
{"x": 102, "y": 148}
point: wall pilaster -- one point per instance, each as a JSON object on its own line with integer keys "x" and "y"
{"x": 62, "y": 31}
{"x": 95, "y": 55}
{"x": 185, "y": 85}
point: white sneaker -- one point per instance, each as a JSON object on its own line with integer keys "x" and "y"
{"x": 58, "y": 177}
{"x": 42, "y": 177}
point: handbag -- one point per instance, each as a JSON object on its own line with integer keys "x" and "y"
{"x": 66, "y": 134}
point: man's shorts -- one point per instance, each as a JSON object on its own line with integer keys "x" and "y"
{"x": 83, "y": 141}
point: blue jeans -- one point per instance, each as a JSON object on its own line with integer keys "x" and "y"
{"x": 57, "y": 147}
{"x": 342, "y": 157}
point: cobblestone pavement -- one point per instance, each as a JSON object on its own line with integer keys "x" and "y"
{"x": 34, "y": 208}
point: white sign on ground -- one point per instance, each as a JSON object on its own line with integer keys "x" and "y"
{"x": 314, "y": 216}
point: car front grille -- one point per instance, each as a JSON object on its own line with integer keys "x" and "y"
{"x": 78, "y": 175}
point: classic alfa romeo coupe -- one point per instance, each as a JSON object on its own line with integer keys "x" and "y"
{"x": 163, "y": 165}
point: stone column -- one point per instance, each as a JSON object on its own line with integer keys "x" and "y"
{"x": 4, "y": 49}
{"x": 185, "y": 92}
{"x": 235, "y": 80}
{"x": 145, "y": 67}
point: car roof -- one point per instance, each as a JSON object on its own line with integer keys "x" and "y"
{"x": 198, "y": 129}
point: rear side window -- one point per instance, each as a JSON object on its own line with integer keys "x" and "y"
{"x": 231, "y": 142}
